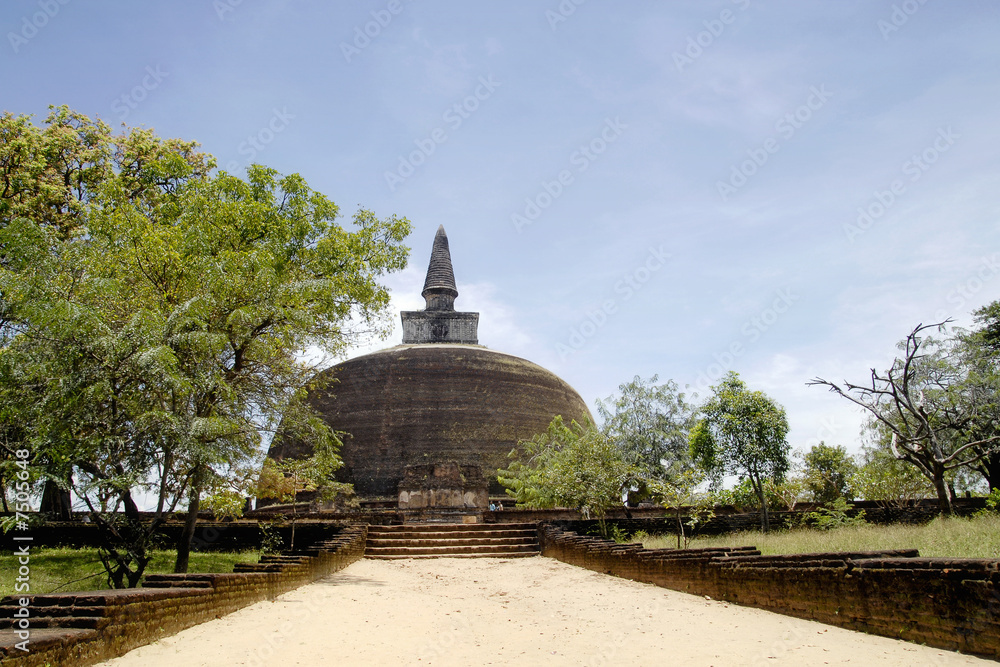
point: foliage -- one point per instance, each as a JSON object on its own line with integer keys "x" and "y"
{"x": 285, "y": 479}
{"x": 61, "y": 569}
{"x": 610, "y": 531}
{"x": 649, "y": 424}
{"x": 828, "y": 473}
{"x": 742, "y": 496}
{"x": 890, "y": 481}
{"x": 742, "y": 432}
{"x": 270, "y": 537}
{"x": 930, "y": 407}
{"x": 834, "y": 514}
{"x": 152, "y": 314}
{"x": 573, "y": 466}
{"x": 979, "y": 351}
{"x": 944, "y": 537}
{"x": 992, "y": 504}
{"x": 679, "y": 493}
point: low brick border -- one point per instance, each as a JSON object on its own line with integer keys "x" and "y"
{"x": 89, "y": 627}
{"x": 945, "y": 603}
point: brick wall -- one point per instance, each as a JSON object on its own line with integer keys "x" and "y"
{"x": 946, "y": 603}
{"x": 209, "y": 535}
{"x": 89, "y": 627}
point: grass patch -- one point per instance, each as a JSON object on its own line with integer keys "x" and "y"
{"x": 977, "y": 537}
{"x": 52, "y": 568}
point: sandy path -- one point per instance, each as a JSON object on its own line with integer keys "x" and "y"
{"x": 528, "y": 611}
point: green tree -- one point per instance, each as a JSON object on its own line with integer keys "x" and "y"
{"x": 155, "y": 324}
{"x": 979, "y": 351}
{"x": 890, "y": 481}
{"x": 679, "y": 494}
{"x": 742, "y": 432}
{"x": 285, "y": 479}
{"x": 828, "y": 473}
{"x": 574, "y": 466}
{"x": 929, "y": 407}
{"x": 649, "y": 424}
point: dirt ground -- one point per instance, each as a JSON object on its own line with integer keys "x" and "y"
{"x": 526, "y": 611}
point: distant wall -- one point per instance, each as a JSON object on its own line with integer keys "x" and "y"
{"x": 947, "y": 603}
{"x": 728, "y": 520}
{"x": 209, "y": 535}
{"x": 89, "y": 627}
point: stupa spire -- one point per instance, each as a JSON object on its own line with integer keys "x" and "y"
{"x": 438, "y": 322}
{"x": 439, "y": 285}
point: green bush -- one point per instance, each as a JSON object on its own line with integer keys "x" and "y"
{"x": 834, "y": 515}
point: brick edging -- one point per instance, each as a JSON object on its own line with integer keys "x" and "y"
{"x": 129, "y": 618}
{"x": 942, "y": 602}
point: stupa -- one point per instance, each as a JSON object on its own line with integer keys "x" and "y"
{"x": 430, "y": 421}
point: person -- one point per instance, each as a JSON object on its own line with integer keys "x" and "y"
{"x": 493, "y": 507}
{"x": 500, "y": 506}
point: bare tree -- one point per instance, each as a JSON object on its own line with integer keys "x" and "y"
{"x": 927, "y": 406}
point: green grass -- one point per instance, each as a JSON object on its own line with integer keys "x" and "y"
{"x": 55, "y": 568}
{"x": 948, "y": 538}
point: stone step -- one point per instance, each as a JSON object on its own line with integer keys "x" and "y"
{"x": 461, "y": 542}
{"x": 526, "y": 554}
{"x": 439, "y": 527}
{"x": 448, "y": 550}
{"x": 457, "y": 535}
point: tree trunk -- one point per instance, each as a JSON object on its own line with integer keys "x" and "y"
{"x": 989, "y": 467}
{"x": 187, "y": 534}
{"x": 944, "y": 495}
{"x": 680, "y": 529}
{"x": 56, "y": 501}
{"x": 765, "y": 519}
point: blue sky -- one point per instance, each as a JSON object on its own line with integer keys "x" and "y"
{"x": 781, "y": 188}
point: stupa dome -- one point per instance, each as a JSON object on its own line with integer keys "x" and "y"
{"x": 419, "y": 404}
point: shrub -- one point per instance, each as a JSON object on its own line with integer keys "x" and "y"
{"x": 834, "y": 515}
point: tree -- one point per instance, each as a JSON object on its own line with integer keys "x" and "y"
{"x": 680, "y": 494}
{"x": 979, "y": 351}
{"x": 649, "y": 424}
{"x": 285, "y": 479}
{"x": 888, "y": 480}
{"x": 932, "y": 413}
{"x": 573, "y": 466}
{"x": 154, "y": 324}
{"x": 828, "y": 473}
{"x": 742, "y": 432}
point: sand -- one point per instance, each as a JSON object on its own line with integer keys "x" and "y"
{"x": 526, "y": 611}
